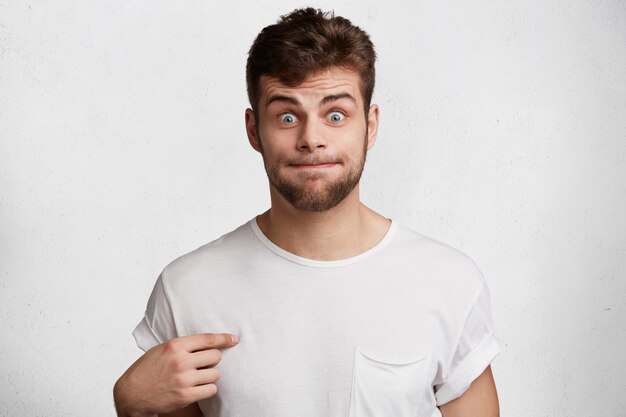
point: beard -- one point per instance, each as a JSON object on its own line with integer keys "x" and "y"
{"x": 323, "y": 194}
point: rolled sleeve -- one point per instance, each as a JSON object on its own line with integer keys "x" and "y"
{"x": 145, "y": 336}
{"x": 469, "y": 370}
{"x": 476, "y": 349}
{"x": 157, "y": 325}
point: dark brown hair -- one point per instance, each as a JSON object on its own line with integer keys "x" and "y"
{"x": 305, "y": 42}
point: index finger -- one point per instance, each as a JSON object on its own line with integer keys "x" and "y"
{"x": 204, "y": 341}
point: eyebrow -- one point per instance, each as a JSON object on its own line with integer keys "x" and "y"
{"x": 291, "y": 100}
{"x": 335, "y": 97}
{"x": 279, "y": 98}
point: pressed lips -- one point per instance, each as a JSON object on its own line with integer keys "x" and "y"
{"x": 312, "y": 163}
{"x": 313, "y": 166}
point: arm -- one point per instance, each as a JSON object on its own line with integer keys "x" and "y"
{"x": 479, "y": 400}
{"x": 192, "y": 410}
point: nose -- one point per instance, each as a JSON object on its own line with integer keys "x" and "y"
{"x": 311, "y": 137}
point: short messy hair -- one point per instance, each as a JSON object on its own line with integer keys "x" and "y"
{"x": 305, "y": 42}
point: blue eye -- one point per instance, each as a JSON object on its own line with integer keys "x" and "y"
{"x": 288, "y": 118}
{"x": 335, "y": 116}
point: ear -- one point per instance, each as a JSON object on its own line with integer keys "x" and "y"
{"x": 372, "y": 125}
{"x": 251, "y": 130}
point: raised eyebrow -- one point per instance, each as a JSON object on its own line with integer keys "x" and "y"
{"x": 280, "y": 98}
{"x": 335, "y": 97}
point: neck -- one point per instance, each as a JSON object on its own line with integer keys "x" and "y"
{"x": 346, "y": 230}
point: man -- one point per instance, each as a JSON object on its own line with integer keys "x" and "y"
{"x": 339, "y": 311}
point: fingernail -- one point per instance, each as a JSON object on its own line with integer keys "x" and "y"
{"x": 235, "y": 338}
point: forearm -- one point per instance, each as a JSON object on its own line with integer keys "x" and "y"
{"x": 192, "y": 410}
{"x": 124, "y": 405}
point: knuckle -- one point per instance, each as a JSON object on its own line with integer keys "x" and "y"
{"x": 217, "y": 355}
{"x": 226, "y": 339}
{"x": 183, "y": 396}
{"x": 211, "y": 338}
{"x": 179, "y": 381}
{"x": 216, "y": 374}
{"x": 172, "y": 345}
{"x": 177, "y": 364}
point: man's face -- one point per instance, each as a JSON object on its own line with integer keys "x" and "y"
{"x": 313, "y": 137}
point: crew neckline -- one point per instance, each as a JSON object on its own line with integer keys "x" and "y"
{"x": 316, "y": 263}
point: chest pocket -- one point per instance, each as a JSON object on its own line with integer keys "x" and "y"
{"x": 382, "y": 389}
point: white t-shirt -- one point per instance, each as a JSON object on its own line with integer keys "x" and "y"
{"x": 394, "y": 331}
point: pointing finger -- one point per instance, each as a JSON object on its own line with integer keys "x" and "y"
{"x": 204, "y": 341}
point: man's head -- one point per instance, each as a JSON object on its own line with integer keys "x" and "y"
{"x": 310, "y": 80}
{"x": 306, "y": 42}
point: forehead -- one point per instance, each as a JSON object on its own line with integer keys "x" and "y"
{"x": 319, "y": 85}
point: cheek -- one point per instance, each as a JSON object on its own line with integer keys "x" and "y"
{"x": 278, "y": 140}
{"x": 357, "y": 140}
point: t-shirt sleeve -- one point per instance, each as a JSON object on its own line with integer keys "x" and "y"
{"x": 157, "y": 325}
{"x": 476, "y": 349}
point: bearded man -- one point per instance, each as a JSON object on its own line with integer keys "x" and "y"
{"x": 318, "y": 306}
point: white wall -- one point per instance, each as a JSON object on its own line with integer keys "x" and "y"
{"x": 122, "y": 147}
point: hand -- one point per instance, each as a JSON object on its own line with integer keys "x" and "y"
{"x": 171, "y": 375}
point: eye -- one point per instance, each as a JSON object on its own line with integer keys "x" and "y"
{"x": 335, "y": 116}
{"x": 288, "y": 118}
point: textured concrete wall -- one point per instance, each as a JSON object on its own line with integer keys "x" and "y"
{"x": 122, "y": 147}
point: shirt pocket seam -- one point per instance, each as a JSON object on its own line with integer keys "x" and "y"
{"x": 378, "y": 385}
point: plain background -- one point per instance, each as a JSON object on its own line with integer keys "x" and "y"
{"x": 503, "y": 128}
